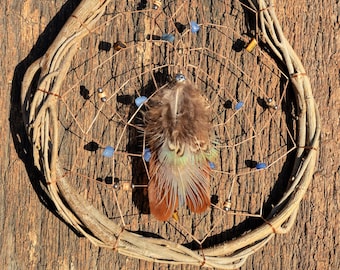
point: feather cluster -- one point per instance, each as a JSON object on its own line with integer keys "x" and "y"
{"x": 178, "y": 133}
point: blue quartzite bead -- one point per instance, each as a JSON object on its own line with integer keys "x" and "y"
{"x": 108, "y": 151}
{"x": 140, "y": 100}
{"x": 147, "y": 154}
{"x": 239, "y": 105}
{"x": 261, "y": 165}
{"x": 194, "y": 27}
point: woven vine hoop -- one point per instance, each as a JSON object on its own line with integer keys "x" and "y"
{"x": 41, "y": 116}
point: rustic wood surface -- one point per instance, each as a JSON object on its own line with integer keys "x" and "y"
{"x": 32, "y": 237}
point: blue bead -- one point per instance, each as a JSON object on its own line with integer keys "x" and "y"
{"x": 140, "y": 100}
{"x": 194, "y": 27}
{"x": 147, "y": 154}
{"x": 261, "y": 165}
{"x": 212, "y": 165}
{"x": 239, "y": 105}
{"x": 168, "y": 37}
{"x": 180, "y": 77}
{"x": 108, "y": 151}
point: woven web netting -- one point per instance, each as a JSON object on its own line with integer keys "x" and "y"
{"x": 86, "y": 122}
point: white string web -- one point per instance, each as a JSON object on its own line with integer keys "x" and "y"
{"x": 128, "y": 56}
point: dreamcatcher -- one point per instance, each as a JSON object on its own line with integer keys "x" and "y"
{"x": 170, "y": 119}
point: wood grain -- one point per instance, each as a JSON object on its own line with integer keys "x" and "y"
{"x": 32, "y": 237}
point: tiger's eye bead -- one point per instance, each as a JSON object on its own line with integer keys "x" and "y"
{"x": 117, "y": 46}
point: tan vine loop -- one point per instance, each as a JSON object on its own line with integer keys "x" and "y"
{"x": 40, "y": 109}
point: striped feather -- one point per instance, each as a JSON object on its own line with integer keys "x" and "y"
{"x": 178, "y": 132}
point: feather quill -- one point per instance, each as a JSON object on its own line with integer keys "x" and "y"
{"x": 178, "y": 132}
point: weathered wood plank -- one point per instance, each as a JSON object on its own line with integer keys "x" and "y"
{"x": 31, "y": 237}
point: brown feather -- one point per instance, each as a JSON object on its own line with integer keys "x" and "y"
{"x": 178, "y": 132}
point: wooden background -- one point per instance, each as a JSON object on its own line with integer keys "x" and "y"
{"x": 31, "y": 237}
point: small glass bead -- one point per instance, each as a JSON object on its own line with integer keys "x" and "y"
{"x": 108, "y": 151}
{"x": 271, "y": 103}
{"x": 239, "y": 105}
{"x": 227, "y": 205}
{"x": 140, "y": 100}
{"x": 194, "y": 27}
{"x": 101, "y": 94}
{"x": 252, "y": 44}
{"x": 147, "y": 154}
{"x": 261, "y": 165}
